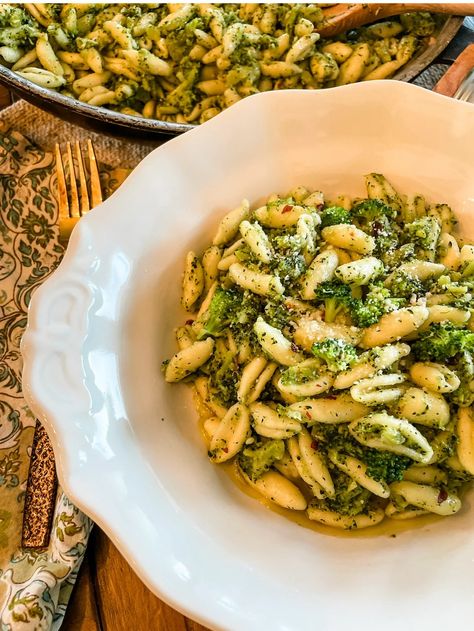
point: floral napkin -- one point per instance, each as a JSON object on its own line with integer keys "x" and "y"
{"x": 34, "y": 585}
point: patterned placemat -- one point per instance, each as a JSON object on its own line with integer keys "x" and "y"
{"x": 45, "y": 129}
{"x": 34, "y": 585}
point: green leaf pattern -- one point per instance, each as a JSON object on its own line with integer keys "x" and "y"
{"x": 34, "y": 585}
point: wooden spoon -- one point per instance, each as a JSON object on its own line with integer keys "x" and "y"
{"x": 344, "y": 17}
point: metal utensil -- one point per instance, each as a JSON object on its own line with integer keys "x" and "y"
{"x": 77, "y": 194}
{"x": 465, "y": 92}
{"x": 73, "y": 206}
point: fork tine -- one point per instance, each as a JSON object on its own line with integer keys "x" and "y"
{"x": 62, "y": 190}
{"x": 85, "y": 205}
{"x": 74, "y": 206}
{"x": 96, "y": 191}
{"x": 465, "y": 92}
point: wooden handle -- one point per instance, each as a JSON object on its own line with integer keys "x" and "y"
{"x": 454, "y": 76}
{"x": 344, "y": 17}
{"x": 455, "y": 8}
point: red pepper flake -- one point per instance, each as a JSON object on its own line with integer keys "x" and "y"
{"x": 377, "y": 228}
{"x": 189, "y": 322}
{"x": 315, "y": 445}
{"x": 225, "y": 450}
{"x": 287, "y": 209}
{"x": 442, "y": 496}
{"x": 308, "y": 415}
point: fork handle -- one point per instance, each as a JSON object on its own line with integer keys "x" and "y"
{"x": 66, "y": 225}
{"x": 456, "y": 73}
{"x": 344, "y": 17}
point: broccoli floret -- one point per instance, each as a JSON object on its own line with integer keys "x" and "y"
{"x": 290, "y": 15}
{"x": 337, "y": 354}
{"x": 12, "y": 16}
{"x": 312, "y": 12}
{"x": 246, "y": 313}
{"x": 289, "y": 267}
{"x": 23, "y": 36}
{"x": 403, "y": 285}
{"x": 257, "y": 459}
{"x": 459, "y": 293}
{"x": 299, "y": 374}
{"x": 442, "y": 341}
{"x": 381, "y": 465}
{"x": 384, "y": 465}
{"x": 376, "y": 303}
{"x": 393, "y": 258}
{"x": 180, "y": 40}
{"x": 456, "y": 479}
{"x": 379, "y": 294}
{"x": 350, "y": 499}
{"x": 369, "y": 210}
{"x": 464, "y": 395}
{"x": 184, "y": 96}
{"x": 424, "y": 234}
{"x": 336, "y": 436}
{"x": 17, "y": 27}
{"x": 220, "y": 313}
{"x": 243, "y": 318}
{"x": 278, "y": 314}
{"x": 234, "y": 309}
{"x": 224, "y": 377}
{"x": 335, "y": 295}
{"x": 285, "y": 242}
{"x": 334, "y": 215}
{"x": 365, "y": 315}
{"x": 378, "y": 219}
{"x": 419, "y": 23}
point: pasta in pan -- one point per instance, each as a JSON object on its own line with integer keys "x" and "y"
{"x": 331, "y": 384}
{"x": 187, "y": 62}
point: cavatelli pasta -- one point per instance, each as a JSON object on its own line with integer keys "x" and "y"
{"x": 186, "y": 63}
{"x": 322, "y": 362}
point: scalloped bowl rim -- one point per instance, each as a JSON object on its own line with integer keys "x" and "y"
{"x": 177, "y": 582}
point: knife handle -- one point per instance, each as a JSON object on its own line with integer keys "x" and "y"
{"x": 41, "y": 491}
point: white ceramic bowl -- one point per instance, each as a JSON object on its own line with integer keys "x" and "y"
{"x": 127, "y": 446}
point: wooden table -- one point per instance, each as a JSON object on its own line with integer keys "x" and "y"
{"x": 108, "y": 596}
